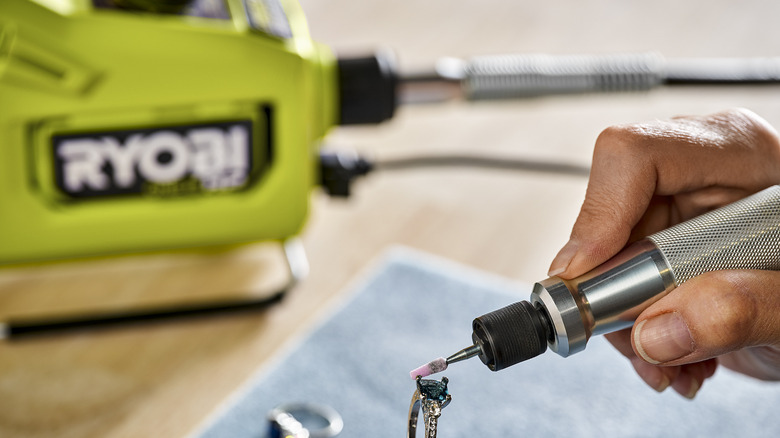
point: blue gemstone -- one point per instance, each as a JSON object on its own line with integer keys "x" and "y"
{"x": 433, "y": 389}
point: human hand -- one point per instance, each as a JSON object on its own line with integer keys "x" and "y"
{"x": 648, "y": 177}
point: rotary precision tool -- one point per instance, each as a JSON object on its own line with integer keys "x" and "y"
{"x": 564, "y": 314}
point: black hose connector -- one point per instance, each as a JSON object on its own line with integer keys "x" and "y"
{"x": 511, "y": 335}
{"x": 367, "y": 89}
{"x": 338, "y": 170}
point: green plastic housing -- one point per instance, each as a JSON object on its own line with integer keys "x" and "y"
{"x": 68, "y": 67}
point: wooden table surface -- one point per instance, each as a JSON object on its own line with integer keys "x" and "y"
{"x": 166, "y": 379}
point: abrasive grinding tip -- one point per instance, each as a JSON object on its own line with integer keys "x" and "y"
{"x": 432, "y": 367}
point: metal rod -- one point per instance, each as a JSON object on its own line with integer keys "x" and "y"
{"x": 464, "y": 354}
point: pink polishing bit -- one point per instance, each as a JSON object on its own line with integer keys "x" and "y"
{"x": 432, "y": 367}
{"x": 440, "y": 364}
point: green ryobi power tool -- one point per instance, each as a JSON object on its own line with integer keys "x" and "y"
{"x": 144, "y": 125}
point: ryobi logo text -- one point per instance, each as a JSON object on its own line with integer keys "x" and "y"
{"x": 165, "y": 161}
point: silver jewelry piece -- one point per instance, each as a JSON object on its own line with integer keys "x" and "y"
{"x": 289, "y": 420}
{"x": 431, "y": 396}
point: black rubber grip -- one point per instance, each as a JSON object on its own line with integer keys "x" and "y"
{"x": 511, "y": 335}
{"x": 367, "y": 89}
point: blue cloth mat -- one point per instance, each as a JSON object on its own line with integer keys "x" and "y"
{"x": 414, "y": 308}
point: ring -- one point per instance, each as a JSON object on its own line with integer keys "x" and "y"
{"x": 432, "y": 396}
{"x": 288, "y": 420}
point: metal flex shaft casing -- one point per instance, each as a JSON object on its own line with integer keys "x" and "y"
{"x": 742, "y": 235}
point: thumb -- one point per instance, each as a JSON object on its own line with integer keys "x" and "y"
{"x": 708, "y": 316}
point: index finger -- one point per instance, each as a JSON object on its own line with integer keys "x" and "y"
{"x": 634, "y": 163}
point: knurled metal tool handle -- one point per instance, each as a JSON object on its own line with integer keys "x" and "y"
{"x": 742, "y": 235}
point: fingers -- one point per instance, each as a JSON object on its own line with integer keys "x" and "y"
{"x": 729, "y": 155}
{"x": 658, "y": 378}
{"x": 709, "y": 316}
{"x": 759, "y": 362}
{"x": 684, "y": 379}
{"x": 691, "y": 377}
{"x": 731, "y": 315}
{"x": 621, "y": 340}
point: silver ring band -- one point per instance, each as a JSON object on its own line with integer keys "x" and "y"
{"x": 431, "y": 407}
{"x": 282, "y": 416}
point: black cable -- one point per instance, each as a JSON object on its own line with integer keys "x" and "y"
{"x": 481, "y": 161}
{"x": 722, "y": 71}
{"x": 339, "y": 169}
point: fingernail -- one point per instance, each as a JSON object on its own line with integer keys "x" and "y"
{"x": 663, "y": 338}
{"x": 686, "y": 386}
{"x": 651, "y": 374}
{"x": 695, "y": 385}
{"x": 665, "y": 382}
{"x": 563, "y": 259}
